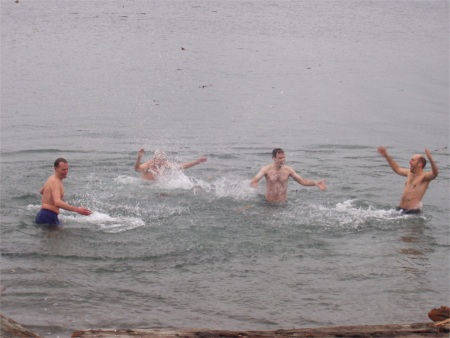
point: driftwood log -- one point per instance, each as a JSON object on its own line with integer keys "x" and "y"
{"x": 419, "y": 330}
{"x": 11, "y": 329}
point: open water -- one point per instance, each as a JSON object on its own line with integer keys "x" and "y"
{"x": 328, "y": 81}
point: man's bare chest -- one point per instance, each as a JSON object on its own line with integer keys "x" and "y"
{"x": 414, "y": 182}
{"x": 279, "y": 176}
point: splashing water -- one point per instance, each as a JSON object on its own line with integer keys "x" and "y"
{"x": 107, "y": 223}
{"x": 348, "y": 214}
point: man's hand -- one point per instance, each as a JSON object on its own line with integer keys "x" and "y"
{"x": 321, "y": 185}
{"x": 83, "y": 211}
{"x": 382, "y": 151}
{"x": 434, "y": 168}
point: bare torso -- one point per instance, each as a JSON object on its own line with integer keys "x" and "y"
{"x": 277, "y": 183}
{"x": 153, "y": 170}
{"x": 415, "y": 188}
{"x": 47, "y": 193}
{"x": 277, "y": 176}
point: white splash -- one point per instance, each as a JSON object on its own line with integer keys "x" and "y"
{"x": 127, "y": 180}
{"x": 237, "y": 189}
{"x": 174, "y": 179}
{"x": 347, "y": 214}
{"x": 106, "y": 222}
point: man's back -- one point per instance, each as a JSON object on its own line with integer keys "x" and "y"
{"x": 47, "y": 193}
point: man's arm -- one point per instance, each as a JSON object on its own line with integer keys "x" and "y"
{"x": 431, "y": 175}
{"x": 308, "y": 183}
{"x": 258, "y": 176}
{"x": 193, "y": 163}
{"x": 137, "y": 165}
{"x": 397, "y": 169}
{"x": 57, "y": 200}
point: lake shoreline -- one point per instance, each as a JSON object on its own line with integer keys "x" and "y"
{"x": 10, "y": 328}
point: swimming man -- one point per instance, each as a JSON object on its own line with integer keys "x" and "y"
{"x": 277, "y": 175}
{"x": 417, "y": 180}
{"x": 53, "y": 196}
{"x": 153, "y": 168}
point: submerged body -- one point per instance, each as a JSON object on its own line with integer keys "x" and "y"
{"x": 277, "y": 176}
{"x": 417, "y": 180}
{"x": 155, "y": 167}
{"x": 53, "y": 196}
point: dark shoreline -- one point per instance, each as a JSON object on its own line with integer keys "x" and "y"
{"x": 10, "y": 328}
{"x": 391, "y": 330}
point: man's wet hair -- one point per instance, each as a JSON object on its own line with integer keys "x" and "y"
{"x": 423, "y": 161}
{"x": 277, "y": 151}
{"x": 159, "y": 154}
{"x": 58, "y": 161}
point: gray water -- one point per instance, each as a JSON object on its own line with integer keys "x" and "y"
{"x": 328, "y": 81}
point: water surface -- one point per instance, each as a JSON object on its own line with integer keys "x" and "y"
{"x": 327, "y": 81}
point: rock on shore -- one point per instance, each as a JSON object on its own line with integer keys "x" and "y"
{"x": 11, "y": 329}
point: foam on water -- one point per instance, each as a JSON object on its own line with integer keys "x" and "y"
{"x": 175, "y": 179}
{"x": 106, "y": 222}
{"x": 127, "y": 180}
{"x": 33, "y": 207}
{"x": 348, "y": 214}
{"x": 236, "y": 189}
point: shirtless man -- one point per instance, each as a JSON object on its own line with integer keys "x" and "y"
{"x": 277, "y": 175}
{"x": 53, "y": 196}
{"x": 156, "y": 166}
{"x": 417, "y": 180}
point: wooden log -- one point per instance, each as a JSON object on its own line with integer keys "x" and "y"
{"x": 418, "y": 330}
{"x": 11, "y": 329}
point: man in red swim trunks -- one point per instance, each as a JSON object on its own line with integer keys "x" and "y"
{"x": 53, "y": 196}
{"x": 417, "y": 180}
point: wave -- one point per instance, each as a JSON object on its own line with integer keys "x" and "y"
{"x": 221, "y": 187}
{"x": 349, "y": 214}
{"x": 106, "y": 222}
{"x": 236, "y": 189}
{"x": 33, "y": 207}
{"x": 128, "y": 180}
{"x": 42, "y": 151}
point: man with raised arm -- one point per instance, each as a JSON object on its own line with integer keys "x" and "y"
{"x": 277, "y": 175}
{"x": 153, "y": 168}
{"x": 53, "y": 196}
{"x": 417, "y": 180}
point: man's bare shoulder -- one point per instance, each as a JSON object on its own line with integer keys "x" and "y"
{"x": 266, "y": 168}
{"x": 288, "y": 169}
{"x": 292, "y": 173}
{"x": 51, "y": 182}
